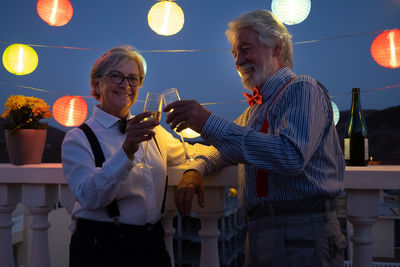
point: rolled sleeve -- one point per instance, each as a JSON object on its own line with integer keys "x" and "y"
{"x": 93, "y": 187}
{"x": 120, "y": 165}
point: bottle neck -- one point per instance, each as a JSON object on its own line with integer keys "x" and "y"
{"x": 355, "y": 103}
{"x": 356, "y": 121}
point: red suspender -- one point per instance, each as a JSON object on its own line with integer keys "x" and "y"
{"x": 262, "y": 176}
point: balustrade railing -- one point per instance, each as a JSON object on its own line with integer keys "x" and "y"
{"x": 41, "y": 186}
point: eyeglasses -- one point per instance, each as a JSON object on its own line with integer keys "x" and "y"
{"x": 117, "y": 77}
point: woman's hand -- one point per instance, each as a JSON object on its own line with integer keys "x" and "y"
{"x": 137, "y": 131}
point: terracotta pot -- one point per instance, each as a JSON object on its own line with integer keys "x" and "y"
{"x": 26, "y": 146}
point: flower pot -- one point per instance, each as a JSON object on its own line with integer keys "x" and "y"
{"x": 26, "y": 146}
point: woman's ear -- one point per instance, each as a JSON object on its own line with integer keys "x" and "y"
{"x": 96, "y": 87}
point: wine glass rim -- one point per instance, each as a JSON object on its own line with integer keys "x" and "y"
{"x": 153, "y": 93}
{"x": 170, "y": 90}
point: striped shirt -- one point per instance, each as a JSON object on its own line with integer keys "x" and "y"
{"x": 300, "y": 152}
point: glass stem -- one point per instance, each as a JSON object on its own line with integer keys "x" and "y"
{"x": 184, "y": 147}
{"x": 145, "y": 152}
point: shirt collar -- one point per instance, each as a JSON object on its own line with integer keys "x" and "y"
{"x": 272, "y": 86}
{"x": 106, "y": 119}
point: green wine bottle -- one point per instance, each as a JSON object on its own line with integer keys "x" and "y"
{"x": 356, "y": 136}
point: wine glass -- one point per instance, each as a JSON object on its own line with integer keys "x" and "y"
{"x": 171, "y": 95}
{"x": 153, "y": 104}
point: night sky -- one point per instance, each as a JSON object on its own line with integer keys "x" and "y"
{"x": 340, "y": 58}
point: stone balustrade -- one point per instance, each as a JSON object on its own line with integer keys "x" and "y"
{"x": 40, "y": 186}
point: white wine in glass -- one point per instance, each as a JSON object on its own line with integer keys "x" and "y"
{"x": 171, "y": 95}
{"x": 153, "y": 104}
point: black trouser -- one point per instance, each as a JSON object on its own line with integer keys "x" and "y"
{"x": 103, "y": 244}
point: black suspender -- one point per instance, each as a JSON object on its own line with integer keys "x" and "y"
{"x": 112, "y": 208}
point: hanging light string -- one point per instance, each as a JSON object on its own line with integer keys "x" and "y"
{"x": 203, "y": 104}
{"x": 195, "y": 50}
{"x": 28, "y": 87}
{"x": 368, "y": 90}
{"x": 332, "y": 96}
{"x": 46, "y": 91}
{"x": 200, "y": 50}
{"x": 339, "y": 37}
{"x": 56, "y": 46}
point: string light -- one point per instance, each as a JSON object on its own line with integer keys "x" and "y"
{"x": 207, "y": 103}
{"x": 201, "y": 50}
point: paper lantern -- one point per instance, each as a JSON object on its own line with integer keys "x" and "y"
{"x": 55, "y": 12}
{"x": 291, "y": 12}
{"x": 70, "y": 111}
{"x": 166, "y": 18}
{"x": 20, "y": 59}
{"x": 189, "y": 133}
{"x": 336, "y": 113}
{"x": 385, "y": 49}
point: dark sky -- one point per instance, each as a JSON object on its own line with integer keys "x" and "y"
{"x": 208, "y": 75}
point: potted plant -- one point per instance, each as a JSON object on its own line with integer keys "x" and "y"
{"x": 25, "y": 134}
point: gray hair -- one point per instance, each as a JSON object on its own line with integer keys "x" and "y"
{"x": 270, "y": 29}
{"x": 114, "y": 58}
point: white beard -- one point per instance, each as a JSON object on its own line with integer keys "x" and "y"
{"x": 256, "y": 76}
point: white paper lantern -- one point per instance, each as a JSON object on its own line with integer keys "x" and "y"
{"x": 189, "y": 133}
{"x": 166, "y": 18}
{"x": 291, "y": 12}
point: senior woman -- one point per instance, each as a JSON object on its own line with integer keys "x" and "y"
{"x": 118, "y": 206}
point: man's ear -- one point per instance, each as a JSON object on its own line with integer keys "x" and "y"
{"x": 278, "y": 50}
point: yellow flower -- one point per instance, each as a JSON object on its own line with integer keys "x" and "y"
{"x": 232, "y": 192}
{"x": 26, "y": 112}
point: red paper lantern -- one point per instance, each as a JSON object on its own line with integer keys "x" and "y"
{"x": 55, "y": 12}
{"x": 70, "y": 111}
{"x": 385, "y": 49}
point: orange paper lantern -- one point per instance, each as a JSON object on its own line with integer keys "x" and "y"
{"x": 55, "y": 12}
{"x": 385, "y": 49}
{"x": 70, "y": 111}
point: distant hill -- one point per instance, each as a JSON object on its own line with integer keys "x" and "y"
{"x": 383, "y": 132}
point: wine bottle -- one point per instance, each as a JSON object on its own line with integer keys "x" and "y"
{"x": 356, "y": 136}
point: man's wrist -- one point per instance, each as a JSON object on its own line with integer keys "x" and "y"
{"x": 190, "y": 170}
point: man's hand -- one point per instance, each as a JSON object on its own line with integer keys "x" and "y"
{"x": 187, "y": 114}
{"x": 190, "y": 184}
